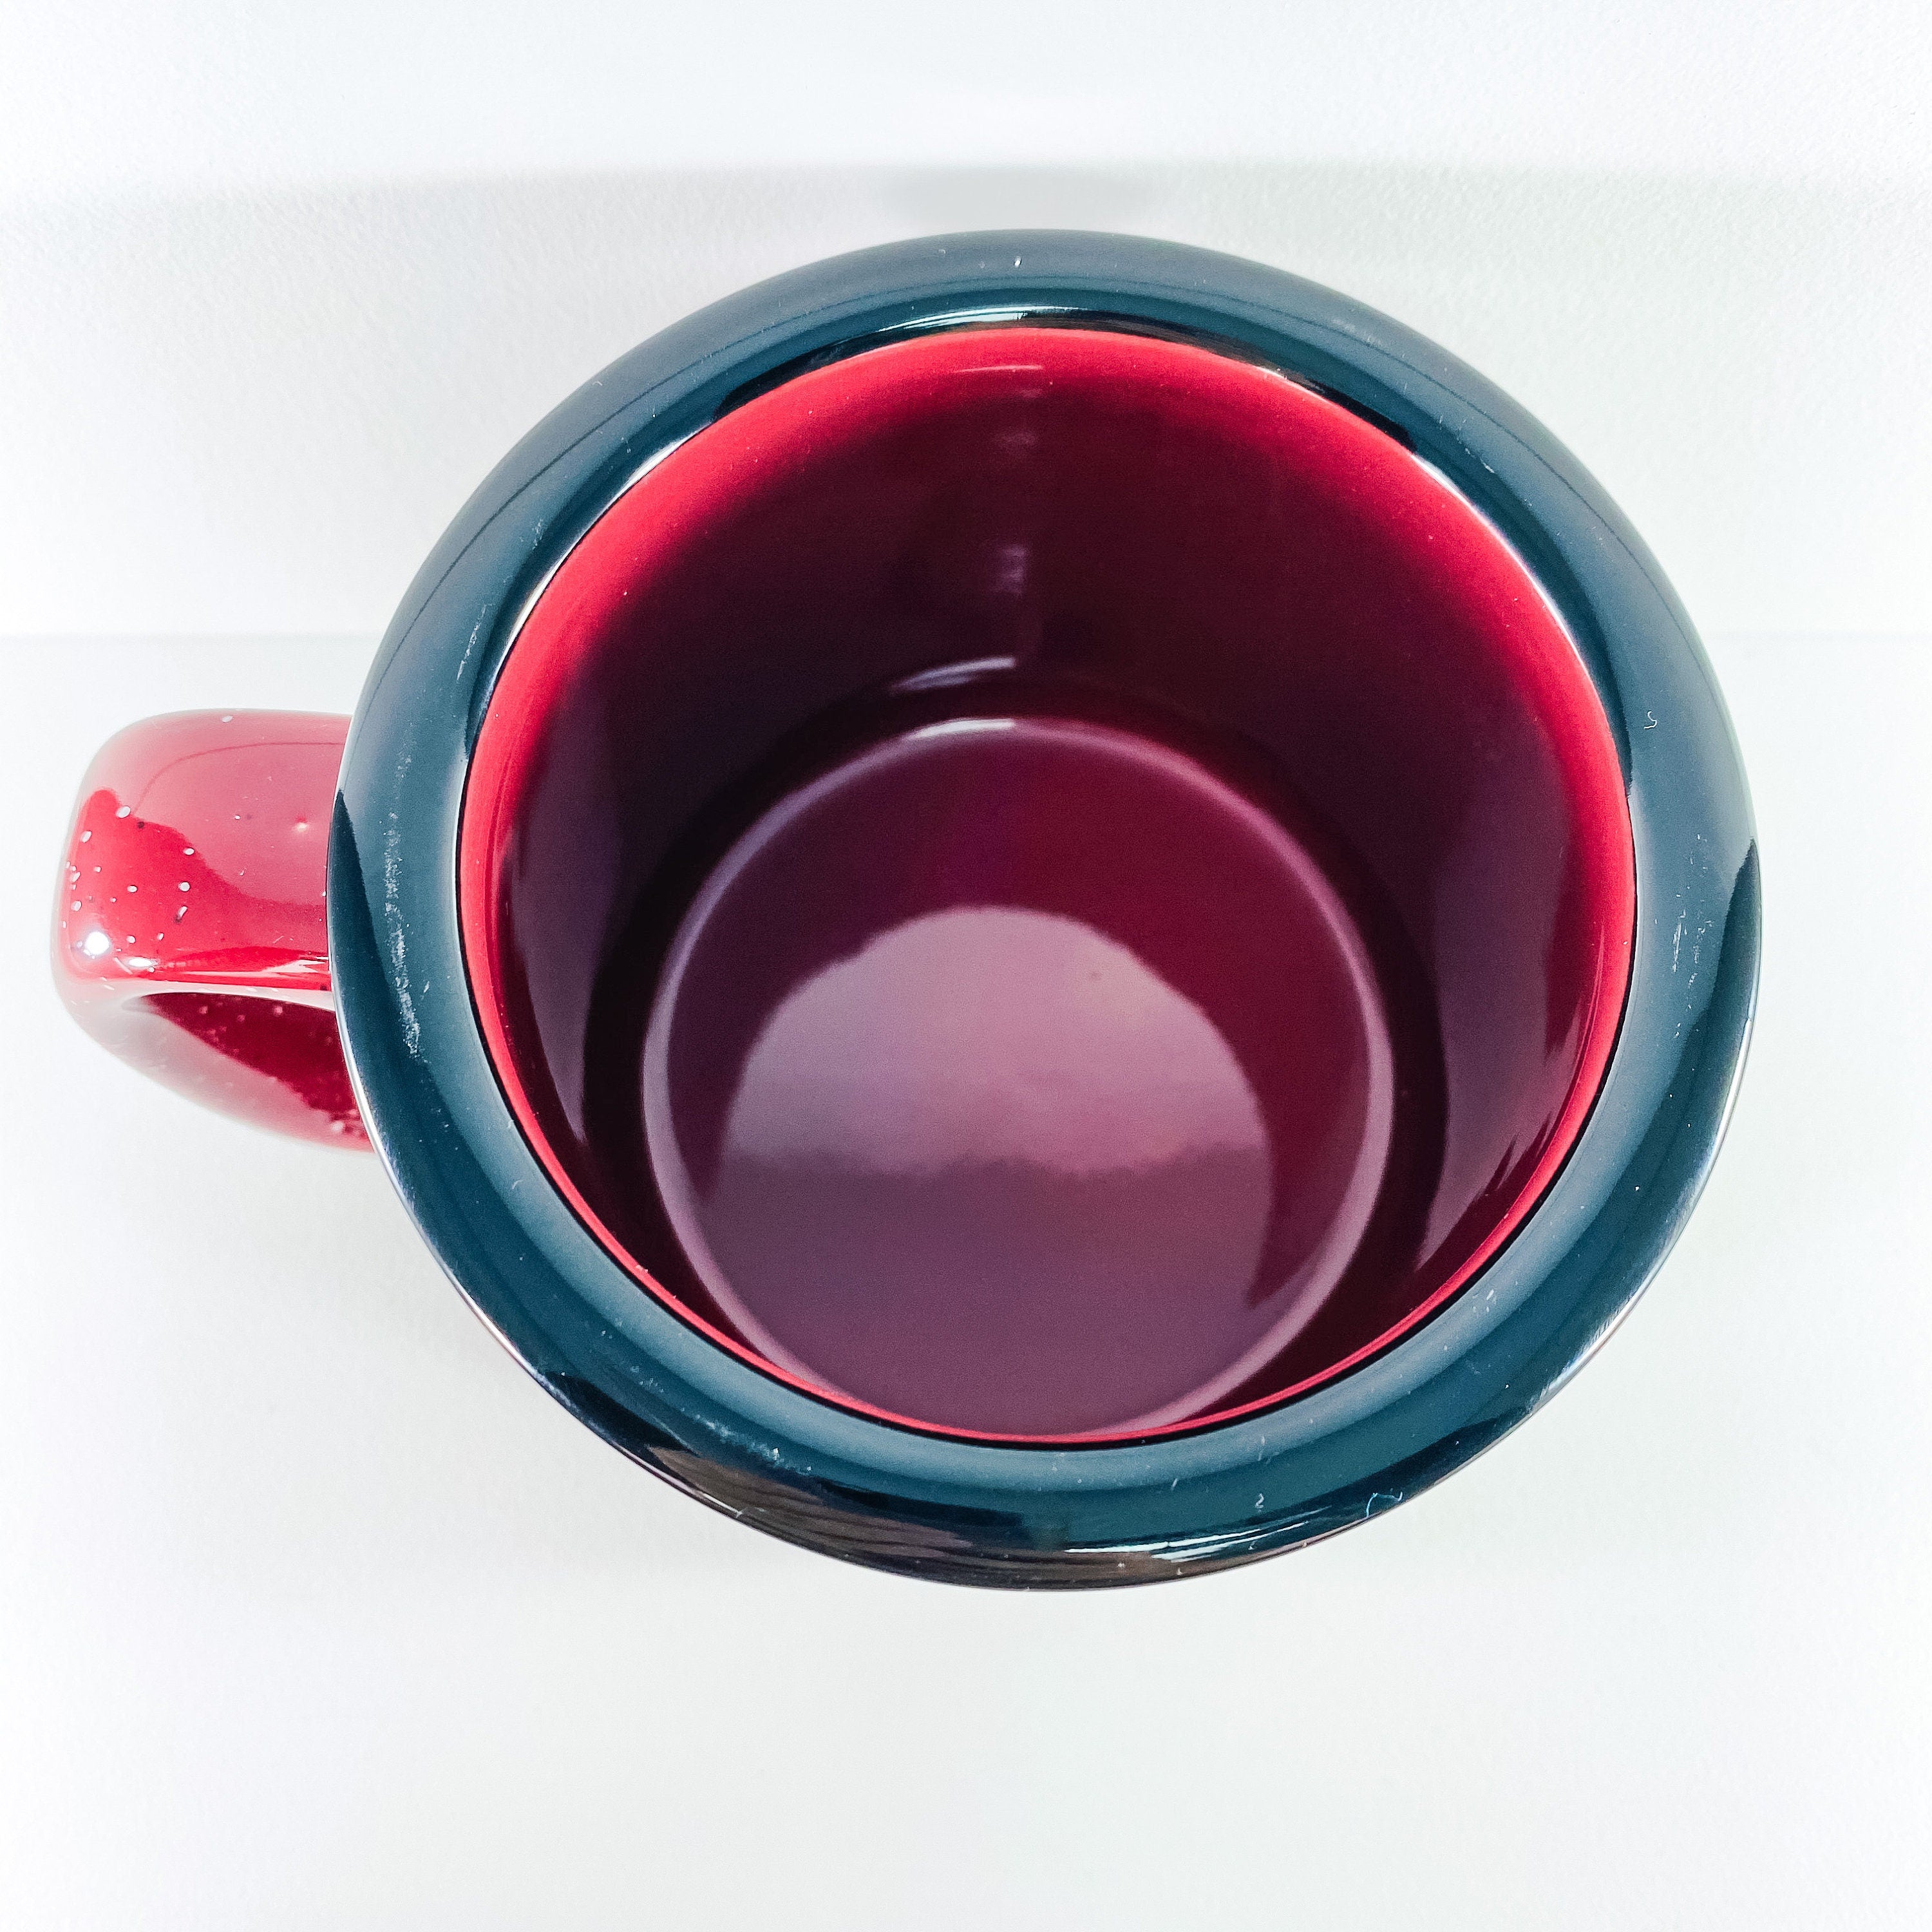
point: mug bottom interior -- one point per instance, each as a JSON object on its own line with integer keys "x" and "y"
{"x": 1016, "y": 1071}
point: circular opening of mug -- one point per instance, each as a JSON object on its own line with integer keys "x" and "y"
{"x": 1047, "y": 883}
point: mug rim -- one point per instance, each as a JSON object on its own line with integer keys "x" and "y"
{"x": 872, "y": 1489}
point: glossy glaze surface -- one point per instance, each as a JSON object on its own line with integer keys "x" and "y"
{"x": 1178, "y": 748}
{"x": 819, "y": 1474}
{"x": 190, "y": 934}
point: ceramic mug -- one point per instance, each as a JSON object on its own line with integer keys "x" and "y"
{"x": 1040, "y": 909}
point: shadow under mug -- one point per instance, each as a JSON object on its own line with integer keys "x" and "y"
{"x": 1040, "y": 909}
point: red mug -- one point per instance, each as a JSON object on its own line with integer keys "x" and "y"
{"x": 1043, "y": 909}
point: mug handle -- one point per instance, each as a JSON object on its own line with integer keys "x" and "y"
{"x": 190, "y": 935}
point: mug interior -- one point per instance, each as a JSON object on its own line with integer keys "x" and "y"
{"x": 1047, "y": 883}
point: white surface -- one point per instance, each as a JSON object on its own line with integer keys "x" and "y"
{"x": 212, "y": 92}
{"x": 314, "y": 1612}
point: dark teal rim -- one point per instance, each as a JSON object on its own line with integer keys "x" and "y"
{"x": 895, "y": 1498}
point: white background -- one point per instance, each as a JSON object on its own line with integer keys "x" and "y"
{"x": 314, "y": 1612}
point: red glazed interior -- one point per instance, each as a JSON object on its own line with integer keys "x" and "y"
{"x": 1047, "y": 884}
